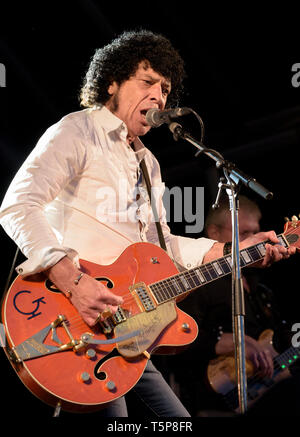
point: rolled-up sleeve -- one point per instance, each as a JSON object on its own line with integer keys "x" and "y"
{"x": 57, "y": 158}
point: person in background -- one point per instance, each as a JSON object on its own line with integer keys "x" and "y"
{"x": 211, "y": 306}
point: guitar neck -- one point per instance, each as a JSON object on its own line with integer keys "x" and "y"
{"x": 287, "y": 358}
{"x": 189, "y": 280}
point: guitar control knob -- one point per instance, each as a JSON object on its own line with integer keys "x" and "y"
{"x": 85, "y": 377}
{"x": 110, "y": 385}
{"x": 185, "y": 327}
{"x": 90, "y": 353}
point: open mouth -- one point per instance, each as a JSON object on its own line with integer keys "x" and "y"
{"x": 143, "y": 114}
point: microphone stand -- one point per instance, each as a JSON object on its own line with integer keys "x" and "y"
{"x": 234, "y": 177}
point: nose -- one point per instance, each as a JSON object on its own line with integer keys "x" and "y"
{"x": 157, "y": 96}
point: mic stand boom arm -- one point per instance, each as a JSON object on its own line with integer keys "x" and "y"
{"x": 234, "y": 176}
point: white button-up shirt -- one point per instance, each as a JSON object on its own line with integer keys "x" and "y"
{"x": 79, "y": 194}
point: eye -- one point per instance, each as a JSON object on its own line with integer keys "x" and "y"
{"x": 165, "y": 91}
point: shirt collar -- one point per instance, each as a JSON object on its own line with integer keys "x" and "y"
{"x": 111, "y": 122}
{"x": 107, "y": 119}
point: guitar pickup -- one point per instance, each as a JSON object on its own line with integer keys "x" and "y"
{"x": 108, "y": 324}
{"x": 143, "y": 295}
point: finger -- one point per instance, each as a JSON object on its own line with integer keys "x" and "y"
{"x": 268, "y": 362}
{"x": 268, "y": 258}
{"x": 271, "y": 235}
{"x": 255, "y": 361}
{"x": 277, "y": 253}
{"x": 263, "y": 365}
{"x": 112, "y": 299}
{"x": 273, "y": 254}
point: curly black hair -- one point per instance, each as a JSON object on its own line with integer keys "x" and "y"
{"x": 119, "y": 60}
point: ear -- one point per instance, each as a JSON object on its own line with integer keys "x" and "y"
{"x": 112, "y": 89}
{"x": 213, "y": 232}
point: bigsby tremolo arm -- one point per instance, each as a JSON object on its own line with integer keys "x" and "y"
{"x": 34, "y": 346}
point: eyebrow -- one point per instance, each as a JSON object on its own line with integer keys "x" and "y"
{"x": 165, "y": 81}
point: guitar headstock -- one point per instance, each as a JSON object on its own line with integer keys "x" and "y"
{"x": 292, "y": 231}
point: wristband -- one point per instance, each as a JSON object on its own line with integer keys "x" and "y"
{"x": 78, "y": 279}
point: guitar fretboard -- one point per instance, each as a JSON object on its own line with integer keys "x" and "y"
{"x": 190, "y": 280}
{"x": 287, "y": 358}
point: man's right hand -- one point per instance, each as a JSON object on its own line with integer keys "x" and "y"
{"x": 90, "y": 297}
{"x": 257, "y": 353}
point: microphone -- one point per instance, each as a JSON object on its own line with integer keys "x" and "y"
{"x": 156, "y": 118}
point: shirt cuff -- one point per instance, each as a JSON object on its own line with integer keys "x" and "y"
{"x": 46, "y": 258}
{"x": 189, "y": 252}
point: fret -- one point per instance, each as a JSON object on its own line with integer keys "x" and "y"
{"x": 212, "y": 271}
{"x": 283, "y": 241}
{"x": 228, "y": 260}
{"x": 181, "y": 283}
{"x": 199, "y": 275}
{"x": 157, "y": 292}
{"x": 190, "y": 279}
{"x": 168, "y": 288}
{"x": 195, "y": 278}
{"x": 184, "y": 281}
{"x": 254, "y": 253}
{"x": 262, "y": 250}
{"x": 288, "y": 357}
{"x": 178, "y": 289}
{"x": 217, "y": 268}
{"x": 245, "y": 256}
{"x": 163, "y": 291}
{"x": 205, "y": 272}
{"x": 161, "y": 294}
{"x": 224, "y": 265}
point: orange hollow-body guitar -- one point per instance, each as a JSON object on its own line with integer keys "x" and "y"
{"x": 65, "y": 362}
{"x": 56, "y": 354}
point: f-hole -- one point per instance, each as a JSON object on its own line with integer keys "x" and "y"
{"x": 51, "y": 287}
{"x": 97, "y": 370}
{"x": 108, "y": 282}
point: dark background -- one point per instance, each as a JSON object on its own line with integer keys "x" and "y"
{"x": 239, "y": 66}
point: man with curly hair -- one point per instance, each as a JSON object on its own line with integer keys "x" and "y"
{"x": 79, "y": 193}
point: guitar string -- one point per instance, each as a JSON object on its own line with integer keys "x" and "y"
{"x": 77, "y": 320}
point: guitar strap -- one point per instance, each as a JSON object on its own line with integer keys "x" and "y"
{"x": 156, "y": 218}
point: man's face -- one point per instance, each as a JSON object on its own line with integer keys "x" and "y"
{"x": 131, "y": 100}
{"x": 248, "y": 225}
